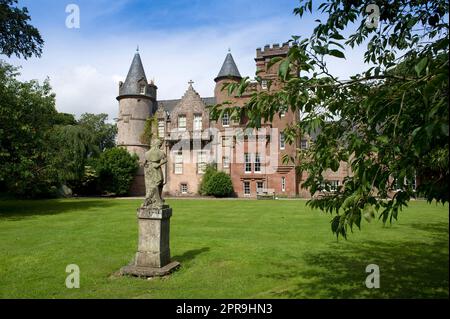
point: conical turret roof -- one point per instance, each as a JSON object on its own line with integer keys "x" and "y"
{"x": 135, "y": 78}
{"x": 229, "y": 69}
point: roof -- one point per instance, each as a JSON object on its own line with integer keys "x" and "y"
{"x": 169, "y": 105}
{"x": 136, "y": 74}
{"x": 229, "y": 69}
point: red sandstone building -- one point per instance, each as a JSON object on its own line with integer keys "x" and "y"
{"x": 254, "y": 159}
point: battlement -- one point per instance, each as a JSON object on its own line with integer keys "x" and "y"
{"x": 274, "y": 50}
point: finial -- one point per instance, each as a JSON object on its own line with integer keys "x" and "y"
{"x": 137, "y": 49}
{"x": 229, "y": 49}
{"x": 190, "y": 82}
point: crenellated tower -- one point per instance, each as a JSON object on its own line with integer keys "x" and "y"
{"x": 137, "y": 102}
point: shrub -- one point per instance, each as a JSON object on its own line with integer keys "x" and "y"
{"x": 210, "y": 170}
{"x": 116, "y": 168}
{"x": 219, "y": 185}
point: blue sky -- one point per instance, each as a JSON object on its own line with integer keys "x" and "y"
{"x": 179, "y": 40}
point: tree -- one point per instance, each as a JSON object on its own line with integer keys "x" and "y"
{"x": 17, "y": 36}
{"x": 388, "y": 122}
{"x": 27, "y": 115}
{"x": 116, "y": 168}
{"x": 73, "y": 145}
{"x": 104, "y": 133}
{"x": 40, "y": 149}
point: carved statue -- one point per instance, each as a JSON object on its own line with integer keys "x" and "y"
{"x": 154, "y": 180}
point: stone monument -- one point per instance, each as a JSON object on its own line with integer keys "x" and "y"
{"x": 153, "y": 255}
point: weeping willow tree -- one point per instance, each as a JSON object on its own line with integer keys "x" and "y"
{"x": 73, "y": 145}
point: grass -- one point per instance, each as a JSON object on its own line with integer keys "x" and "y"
{"x": 227, "y": 248}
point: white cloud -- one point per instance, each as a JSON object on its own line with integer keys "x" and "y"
{"x": 85, "y": 72}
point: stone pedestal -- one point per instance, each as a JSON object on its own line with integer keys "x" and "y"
{"x": 153, "y": 255}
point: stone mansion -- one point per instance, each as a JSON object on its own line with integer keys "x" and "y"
{"x": 252, "y": 158}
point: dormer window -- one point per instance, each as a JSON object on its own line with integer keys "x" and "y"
{"x": 142, "y": 89}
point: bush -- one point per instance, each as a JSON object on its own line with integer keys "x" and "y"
{"x": 116, "y": 168}
{"x": 219, "y": 185}
{"x": 210, "y": 170}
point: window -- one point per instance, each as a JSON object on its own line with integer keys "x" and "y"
{"x": 304, "y": 144}
{"x": 257, "y": 163}
{"x": 246, "y": 188}
{"x": 198, "y": 122}
{"x": 225, "y": 119}
{"x": 161, "y": 128}
{"x": 226, "y": 141}
{"x": 283, "y": 111}
{"x": 184, "y": 188}
{"x": 201, "y": 162}
{"x": 248, "y": 163}
{"x": 259, "y": 186}
{"x": 226, "y": 162}
{"x": 264, "y": 84}
{"x": 182, "y": 122}
{"x": 334, "y": 185}
{"x": 282, "y": 141}
{"x": 178, "y": 166}
{"x": 283, "y": 184}
{"x": 142, "y": 89}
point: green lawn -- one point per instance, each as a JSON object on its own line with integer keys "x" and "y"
{"x": 227, "y": 248}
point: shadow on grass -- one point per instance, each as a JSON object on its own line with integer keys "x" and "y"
{"x": 21, "y": 209}
{"x": 190, "y": 254}
{"x": 409, "y": 269}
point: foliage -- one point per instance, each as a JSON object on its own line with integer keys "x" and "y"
{"x": 149, "y": 130}
{"x": 27, "y": 115}
{"x": 219, "y": 185}
{"x": 215, "y": 183}
{"x": 40, "y": 149}
{"x": 210, "y": 170}
{"x": 88, "y": 184}
{"x": 104, "y": 133}
{"x": 116, "y": 168}
{"x": 389, "y": 122}
{"x": 17, "y": 36}
{"x": 75, "y": 144}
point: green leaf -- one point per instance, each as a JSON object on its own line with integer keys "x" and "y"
{"x": 421, "y": 65}
{"x": 283, "y": 71}
{"x": 336, "y": 53}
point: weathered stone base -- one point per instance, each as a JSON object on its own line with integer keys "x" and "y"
{"x": 140, "y": 271}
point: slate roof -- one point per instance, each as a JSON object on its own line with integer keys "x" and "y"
{"x": 229, "y": 69}
{"x": 169, "y": 105}
{"x": 136, "y": 73}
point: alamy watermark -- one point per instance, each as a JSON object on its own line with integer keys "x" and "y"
{"x": 373, "y": 279}
{"x": 73, "y": 279}
{"x": 374, "y": 16}
{"x": 73, "y": 19}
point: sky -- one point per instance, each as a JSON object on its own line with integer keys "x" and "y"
{"x": 179, "y": 41}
